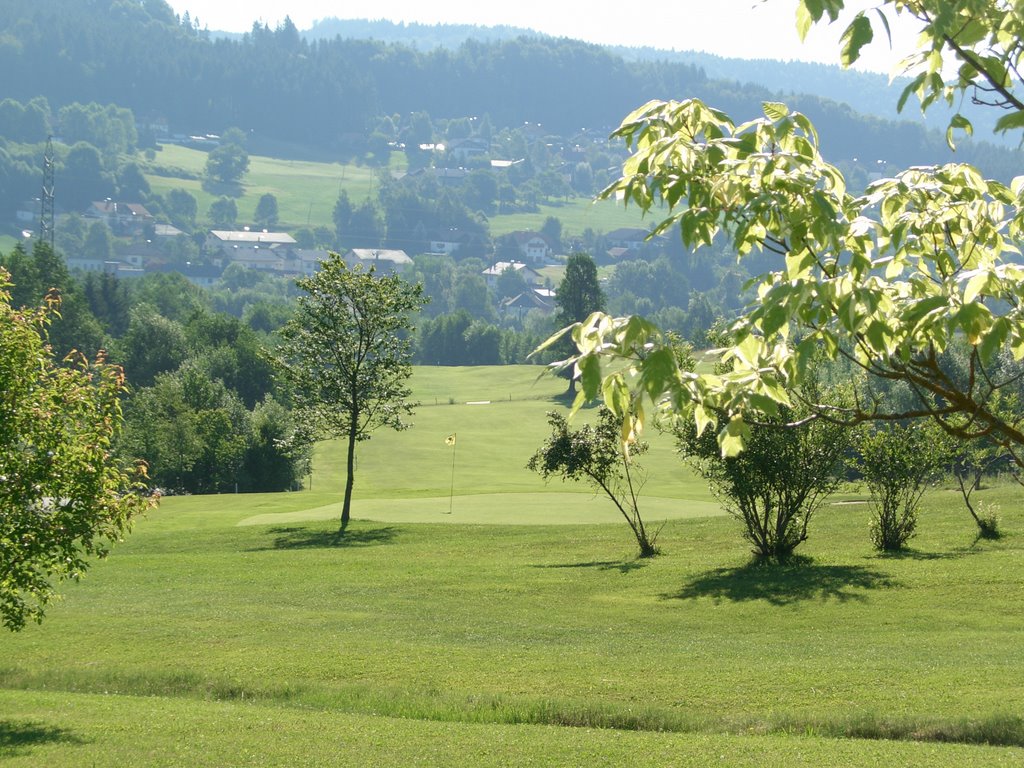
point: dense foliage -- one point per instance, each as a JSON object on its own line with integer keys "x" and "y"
{"x": 346, "y": 355}
{"x": 201, "y": 409}
{"x": 888, "y": 280}
{"x": 63, "y": 497}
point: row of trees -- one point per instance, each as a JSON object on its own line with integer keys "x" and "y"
{"x": 788, "y": 469}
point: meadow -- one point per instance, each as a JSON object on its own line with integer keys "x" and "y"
{"x": 480, "y": 617}
{"x": 306, "y": 191}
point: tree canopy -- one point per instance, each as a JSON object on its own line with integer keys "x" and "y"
{"x": 888, "y": 280}
{"x": 346, "y": 355}
{"x": 63, "y": 498}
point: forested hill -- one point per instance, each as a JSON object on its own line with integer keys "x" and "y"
{"x": 869, "y": 93}
{"x": 322, "y": 93}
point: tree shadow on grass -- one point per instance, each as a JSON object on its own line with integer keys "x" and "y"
{"x": 798, "y": 580}
{"x": 306, "y": 538}
{"x": 622, "y": 566}
{"x": 17, "y": 737}
{"x": 914, "y": 554}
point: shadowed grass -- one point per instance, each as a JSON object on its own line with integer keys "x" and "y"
{"x": 18, "y": 736}
{"x": 797, "y": 580}
{"x": 304, "y": 538}
{"x": 490, "y": 709}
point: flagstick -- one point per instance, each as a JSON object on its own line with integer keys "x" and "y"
{"x": 451, "y": 495}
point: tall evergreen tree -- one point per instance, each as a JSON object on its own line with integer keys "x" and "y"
{"x": 578, "y": 295}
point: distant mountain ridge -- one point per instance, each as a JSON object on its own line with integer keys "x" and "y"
{"x": 329, "y": 95}
{"x": 866, "y": 92}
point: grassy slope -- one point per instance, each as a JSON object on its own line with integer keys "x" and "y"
{"x": 306, "y": 192}
{"x": 250, "y": 644}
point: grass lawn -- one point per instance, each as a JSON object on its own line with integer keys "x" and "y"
{"x": 576, "y": 215}
{"x": 236, "y": 630}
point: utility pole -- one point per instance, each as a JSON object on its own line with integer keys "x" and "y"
{"x": 46, "y": 218}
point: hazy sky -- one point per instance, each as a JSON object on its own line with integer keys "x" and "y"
{"x": 752, "y": 29}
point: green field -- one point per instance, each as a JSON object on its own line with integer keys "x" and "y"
{"x": 7, "y": 243}
{"x": 306, "y": 192}
{"x": 510, "y": 624}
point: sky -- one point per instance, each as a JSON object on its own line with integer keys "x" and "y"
{"x": 749, "y": 29}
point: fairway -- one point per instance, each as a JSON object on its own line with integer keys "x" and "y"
{"x": 497, "y": 509}
{"x": 502, "y": 621}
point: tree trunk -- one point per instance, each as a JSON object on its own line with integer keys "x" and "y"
{"x": 350, "y": 479}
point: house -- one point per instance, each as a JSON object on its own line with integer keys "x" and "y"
{"x": 203, "y": 275}
{"x": 633, "y": 239}
{"x": 444, "y": 247}
{"x": 450, "y": 242}
{"x": 89, "y": 264}
{"x": 530, "y": 275}
{"x": 255, "y": 257}
{"x": 525, "y": 302}
{"x": 223, "y": 245}
{"x": 534, "y": 247}
{"x": 138, "y": 254}
{"x": 305, "y": 261}
{"x": 381, "y": 258}
{"x": 464, "y": 150}
{"x": 219, "y": 239}
{"x": 166, "y": 231}
{"x": 122, "y": 218}
{"x": 504, "y": 165}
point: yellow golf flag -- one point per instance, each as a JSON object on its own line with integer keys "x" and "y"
{"x": 450, "y": 440}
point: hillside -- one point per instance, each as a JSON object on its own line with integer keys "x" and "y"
{"x": 328, "y": 93}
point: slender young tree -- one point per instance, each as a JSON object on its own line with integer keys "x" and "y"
{"x": 596, "y": 455}
{"x": 346, "y": 356}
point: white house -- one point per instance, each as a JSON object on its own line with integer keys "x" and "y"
{"x": 534, "y": 247}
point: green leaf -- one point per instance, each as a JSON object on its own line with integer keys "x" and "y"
{"x": 590, "y": 377}
{"x": 1010, "y": 121}
{"x": 775, "y": 110}
{"x": 804, "y": 21}
{"x": 977, "y": 284}
{"x": 911, "y": 88}
{"x": 885, "y": 24}
{"x": 958, "y": 123}
{"x": 856, "y": 36}
{"x": 993, "y": 340}
{"x": 975, "y": 319}
{"x": 733, "y": 437}
{"x": 703, "y": 419}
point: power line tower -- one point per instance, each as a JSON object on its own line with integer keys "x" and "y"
{"x": 46, "y": 196}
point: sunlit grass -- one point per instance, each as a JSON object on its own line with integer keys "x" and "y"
{"x": 239, "y": 629}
